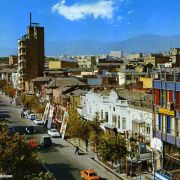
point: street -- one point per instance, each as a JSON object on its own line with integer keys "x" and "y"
{"x": 60, "y": 159}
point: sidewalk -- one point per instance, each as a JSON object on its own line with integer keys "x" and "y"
{"x": 93, "y": 155}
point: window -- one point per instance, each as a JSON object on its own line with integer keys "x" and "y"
{"x": 148, "y": 129}
{"x": 114, "y": 120}
{"x": 101, "y": 114}
{"x": 124, "y": 123}
{"x": 106, "y": 116}
{"x": 90, "y": 110}
{"x": 119, "y": 122}
{"x": 114, "y": 108}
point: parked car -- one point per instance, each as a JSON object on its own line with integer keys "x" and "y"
{"x": 30, "y": 130}
{"x": 46, "y": 141}
{"x": 53, "y": 133}
{"x": 39, "y": 121}
{"x": 89, "y": 174}
{"x": 33, "y": 143}
{"x": 31, "y": 116}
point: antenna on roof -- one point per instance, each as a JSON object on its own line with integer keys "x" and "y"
{"x": 30, "y": 19}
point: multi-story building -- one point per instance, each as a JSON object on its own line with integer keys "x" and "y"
{"x": 166, "y": 88}
{"x": 174, "y": 54}
{"x": 86, "y": 62}
{"x": 30, "y": 55}
{"x": 134, "y": 56}
{"x": 118, "y": 54}
{"x": 155, "y": 59}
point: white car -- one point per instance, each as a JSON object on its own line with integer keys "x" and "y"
{"x": 53, "y": 133}
{"x": 31, "y": 116}
{"x": 38, "y": 121}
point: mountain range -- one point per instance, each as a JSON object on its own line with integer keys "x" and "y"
{"x": 147, "y": 43}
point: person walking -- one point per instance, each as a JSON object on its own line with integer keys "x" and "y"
{"x": 77, "y": 150}
{"x": 86, "y": 143}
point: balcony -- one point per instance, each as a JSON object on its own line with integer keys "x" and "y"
{"x": 21, "y": 68}
{"x": 22, "y": 53}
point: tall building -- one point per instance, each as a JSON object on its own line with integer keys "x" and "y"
{"x": 166, "y": 88}
{"x": 30, "y": 55}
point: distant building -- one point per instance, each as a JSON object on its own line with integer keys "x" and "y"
{"x": 86, "y": 61}
{"x": 156, "y": 59}
{"x": 134, "y": 56}
{"x": 13, "y": 60}
{"x": 63, "y": 62}
{"x": 174, "y": 55}
{"x": 118, "y": 54}
{"x": 30, "y": 55}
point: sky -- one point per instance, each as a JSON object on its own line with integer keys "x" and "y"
{"x": 102, "y": 20}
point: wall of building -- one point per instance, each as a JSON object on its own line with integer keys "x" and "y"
{"x": 62, "y": 64}
{"x": 139, "y": 117}
{"x": 147, "y": 82}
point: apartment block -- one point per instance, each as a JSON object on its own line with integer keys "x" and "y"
{"x": 166, "y": 88}
{"x": 30, "y": 55}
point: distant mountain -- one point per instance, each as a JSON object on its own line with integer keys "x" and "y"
{"x": 142, "y": 43}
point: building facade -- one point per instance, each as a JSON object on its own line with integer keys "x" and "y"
{"x": 166, "y": 88}
{"x": 111, "y": 109}
{"x": 31, "y": 55}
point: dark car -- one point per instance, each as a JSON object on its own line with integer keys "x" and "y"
{"x": 11, "y": 131}
{"x": 30, "y": 130}
{"x": 46, "y": 141}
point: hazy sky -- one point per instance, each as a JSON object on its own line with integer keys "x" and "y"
{"x": 105, "y": 20}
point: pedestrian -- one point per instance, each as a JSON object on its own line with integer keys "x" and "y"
{"x": 77, "y": 150}
{"x": 86, "y": 143}
{"x": 22, "y": 114}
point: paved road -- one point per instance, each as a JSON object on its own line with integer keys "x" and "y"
{"x": 60, "y": 159}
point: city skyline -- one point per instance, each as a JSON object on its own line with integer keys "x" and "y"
{"x": 101, "y": 20}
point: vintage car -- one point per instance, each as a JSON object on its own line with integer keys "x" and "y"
{"x": 89, "y": 174}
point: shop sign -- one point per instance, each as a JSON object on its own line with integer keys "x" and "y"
{"x": 166, "y": 111}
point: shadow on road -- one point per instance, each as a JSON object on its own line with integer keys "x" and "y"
{"x": 4, "y": 105}
{"x": 83, "y": 153}
{"x": 62, "y": 171}
{"x": 58, "y": 145}
{"x": 53, "y": 148}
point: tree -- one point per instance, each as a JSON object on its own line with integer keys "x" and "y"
{"x": 112, "y": 147}
{"x": 30, "y": 101}
{"x": 40, "y": 108}
{"x": 9, "y": 90}
{"x": 77, "y": 127}
{"x": 17, "y": 157}
{"x": 2, "y": 84}
{"x": 95, "y": 131}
